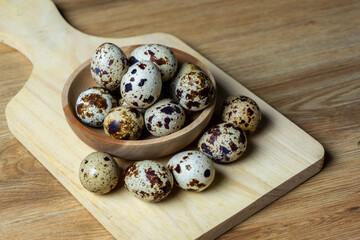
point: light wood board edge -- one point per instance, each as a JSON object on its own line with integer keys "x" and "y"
{"x": 264, "y": 201}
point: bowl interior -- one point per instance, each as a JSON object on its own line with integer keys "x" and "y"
{"x": 82, "y": 80}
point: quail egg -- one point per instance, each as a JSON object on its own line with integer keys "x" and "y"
{"x": 194, "y": 90}
{"x": 99, "y": 173}
{"x": 223, "y": 143}
{"x": 148, "y": 180}
{"x": 243, "y": 112}
{"x": 93, "y": 105}
{"x": 162, "y": 56}
{"x": 124, "y": 123}
{"x": 108, "y": 66}
{"x": 164, "y": 117}
{"x": 141, "y": 85}
{"x": 192, "y": 170}
{"x": 171, "y": 85}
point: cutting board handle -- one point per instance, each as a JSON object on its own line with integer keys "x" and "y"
{"x": 35, "y": 27}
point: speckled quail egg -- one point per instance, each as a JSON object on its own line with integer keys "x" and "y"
{"x": 161, "y": 55}
{"x": 124, "y": 123}
{"x": 108, "y": 66}
{"x": 164, "y": 117}
{"x": 223, "y": 143}
{"x": 141, "y": 85}
{"x": 99, "y": 173}
{"x": 148, "y": 180}
{"x": 194, "y": 90}
{"x": 93, "y": 105}
{"x": 171, "y": 85}
{"x": 192, "y": 170}
{"x": 243, "y": 112}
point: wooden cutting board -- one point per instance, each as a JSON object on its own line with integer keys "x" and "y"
{"x": 280, "y": 156}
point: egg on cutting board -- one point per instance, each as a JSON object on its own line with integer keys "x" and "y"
{"x": 99, "y": 173}
{"x": 243, "y": 112}
{"x": 148, "y": 180}
{"x": 192, "y": 170}
{"x": 223, "y": 143}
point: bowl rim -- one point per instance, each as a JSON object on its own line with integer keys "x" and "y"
{"x": 92, "y": 134}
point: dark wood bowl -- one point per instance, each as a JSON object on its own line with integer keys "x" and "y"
{"x": 147, "y": 147}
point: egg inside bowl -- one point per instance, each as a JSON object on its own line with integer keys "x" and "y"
{"x": 147, "y": 146}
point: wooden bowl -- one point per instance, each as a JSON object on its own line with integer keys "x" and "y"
{"x": 147, "y": 147}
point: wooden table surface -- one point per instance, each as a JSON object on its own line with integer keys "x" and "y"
{"x": 302, "y": 57}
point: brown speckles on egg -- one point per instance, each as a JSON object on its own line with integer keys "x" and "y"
{"x": 160, "y": 55}
{"x": 142, "y": 65}
{"x": 168, "y": 187}
{"x": 93, "y": 105}
{"x": 243, "y": 112}
{"x": 194, "y": 90}
{"x": 130, "y": 170}
{"x": 114, "y": 127}
{"x": 149, "y": 100}
{"x": 152, "y": 181}
{"x": 95, "y": 99}
{"x": 233, "y": 146}
{"x": 97, "y": 174}
{"x": 196, "y": 183}
{"x": 132, "y": 60}
{"x": 158, "y": 61}
{"x": 207, "y": 173}
{"x": 179, "y": 93}
{"x": 192, "y": 105}
{"x": 164, "y": 117}
{"x": 223, "y": 143}
{"x": 153, "y": 177}
{"x": 177, "y": 168}
{"x": 141, "y": 85}
{"x": 171, "y": 85}
{"x": 108, "y": 66}
{"x": 214, "y": 133}
{"x": 80, "y": 109}
{"x": 197, "y": 170}
{"x": 166, "y": 122}
{"x": 142, "y": 82}
{"x": 128, "y": 87}
{"x": 124, "y": 123}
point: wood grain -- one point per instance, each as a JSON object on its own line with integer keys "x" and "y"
{"x": 302, "y": 58}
